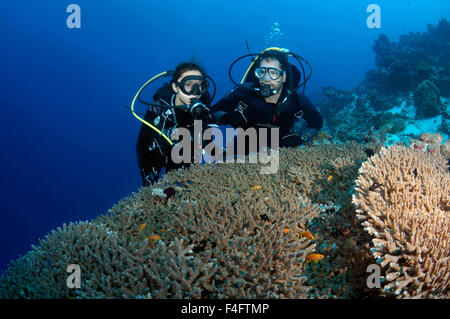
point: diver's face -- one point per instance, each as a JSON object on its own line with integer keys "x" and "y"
{"x": 267, "y": 80}
{"x": 182, "y": 98}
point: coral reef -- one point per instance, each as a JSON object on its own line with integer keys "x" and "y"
{"x": 445, "y": 150}
{"x": 415, "y": 58}
{"x": 431, "y": 144}
{"x": 240, "y": 239}
{"x": 427, "y": 99}
{"x": 403, "y": 200}
{"x": 104, "y": 257}
{"x": 228, "y": 231}
{"x": 245, "y": 237}
{"x": 408, "y": 87}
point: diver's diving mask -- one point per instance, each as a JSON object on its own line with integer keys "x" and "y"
{"x": 189, "y": 85}
{"x": 263, "y": 71}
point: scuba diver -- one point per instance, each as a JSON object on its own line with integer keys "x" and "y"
{"x": 269, "y": 98}
{"x": 177, "y": 104}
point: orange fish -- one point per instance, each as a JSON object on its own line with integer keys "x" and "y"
{"x": 286, "y": 230}
{"x": 154, "y": 238}
{"x": 256, "y": 187}
{"x": 330, "y": 178}
{"x": 165, "y": 231}
{"x": 307, "y": 234}
{"x": 314, "y": 258}
{"x": 142, "y": 227}
{"x": 297, "y": 181}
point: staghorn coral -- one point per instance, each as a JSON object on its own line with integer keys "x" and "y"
{"x": 99, "y": 252}
{"x": 217, "y": 244}
{"x": 403, "y": 202}
{"x": 339, "y": 237}
{"x": 220, "y": 236}
{"x": 322, "y": 137}
{"x": 241, "y": 229}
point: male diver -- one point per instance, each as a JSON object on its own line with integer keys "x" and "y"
{"x": 269, "y": 99}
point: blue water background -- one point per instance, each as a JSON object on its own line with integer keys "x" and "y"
{"x": 68, "y": 147}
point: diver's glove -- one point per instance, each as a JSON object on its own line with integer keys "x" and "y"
{"x": 291, "y": 140}
{"x": 294, "y": 139}
{"x": 308, "y": 134}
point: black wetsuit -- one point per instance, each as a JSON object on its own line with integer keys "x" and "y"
{"x": 153, "y": 150}
{"x": 297, "y": 119}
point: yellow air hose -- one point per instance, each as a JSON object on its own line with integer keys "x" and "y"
{"x": 141, "y": 119}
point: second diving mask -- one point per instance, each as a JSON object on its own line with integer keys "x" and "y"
{"x": 273, "y": 73}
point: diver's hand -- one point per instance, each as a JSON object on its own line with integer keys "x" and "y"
{"x": 291, "y": 140}
{"x": 235, "y": 118}
{"x": 308, "y": 134}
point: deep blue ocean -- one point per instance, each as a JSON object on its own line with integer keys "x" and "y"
{"x": 67, "y": 144}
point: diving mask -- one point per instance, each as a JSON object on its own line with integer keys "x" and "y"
{"x": 193, "y": 85}
{"x": 263, "y": 71}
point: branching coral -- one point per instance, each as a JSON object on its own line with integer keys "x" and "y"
{"x": 242, "y": 230}
{"x": 218, "y": 236}
{"x": 98, "y": 251}
{"x": 403, "y": 202}
{"x": 228, "y": 242}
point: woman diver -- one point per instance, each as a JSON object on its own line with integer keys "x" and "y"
{"x": 177, "y": 104}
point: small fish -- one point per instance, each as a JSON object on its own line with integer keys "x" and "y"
{"x": 169, "y": 192}
{"x": 256, "y": 187}
{"x": 330, "y": 178}
{"x": 142, "y": 227}
{"x": 297, "y": 181}
{"x": 154, "y": 238}
{"x": 286, "y": 230}
{"x": 165, "y": 231}
{"x": 307, "y": 234}
{"x": 314, "y": 258}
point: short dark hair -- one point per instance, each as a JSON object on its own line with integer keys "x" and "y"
{"x": 281, "y": 57}
{"x": 186, "y": 66}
